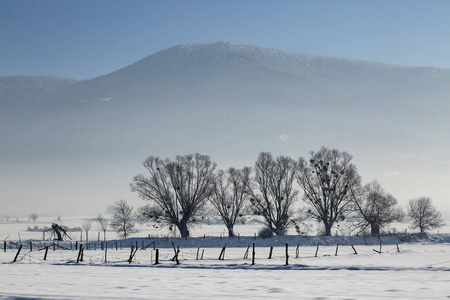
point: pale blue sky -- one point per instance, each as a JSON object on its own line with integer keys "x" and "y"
{"x": 87, "y": 38}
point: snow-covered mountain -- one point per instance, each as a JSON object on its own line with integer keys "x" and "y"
{"x": 229, "y": 101}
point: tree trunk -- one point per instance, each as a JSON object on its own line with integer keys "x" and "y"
{"x": 182, "y": 227}
{"x": 374, "y": 228}
{"x": 230, "y": 232}
{"x": 328, "y": 229}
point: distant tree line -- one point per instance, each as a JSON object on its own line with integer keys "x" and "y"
{"x": 180, "y": 192}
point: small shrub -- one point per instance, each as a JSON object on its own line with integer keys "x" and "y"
{"x": 265, "y": 233}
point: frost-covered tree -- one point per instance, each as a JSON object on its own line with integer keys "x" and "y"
{"x": 86, "y": 226}
{"x": 177, "y": 190}
{"x": 124, "y": 220}
{"x": 272, "y": 191}
{"x": 326, "y": 180}
{"x": 34, "y": 217}
{"x": 230, "y": 194}
{"x": 375, "y": 207}
{"x": 103, "y": 224}
{"x": 424, "y": 215}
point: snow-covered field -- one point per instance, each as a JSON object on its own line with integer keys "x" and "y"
{"x": 421, "y": 270}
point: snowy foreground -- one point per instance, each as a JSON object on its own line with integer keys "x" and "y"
{"x": 421, "y": 270}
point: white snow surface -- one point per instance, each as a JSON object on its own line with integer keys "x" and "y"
{"x": 419, "y": 269}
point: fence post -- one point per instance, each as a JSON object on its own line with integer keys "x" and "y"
{"x": 106, "y": 252}
{"x": 337, "y": 247}
{"x": 157, "y": 257}
{"x": 18, "y": 251}
{"x": 253, "y": 254}
{"x": 46, "y": 252}
{"x": 354, "y": 249}
{"x": 317, "y": 249}
{"x": 270, "y": 252}
{"x": 287, "y": 254}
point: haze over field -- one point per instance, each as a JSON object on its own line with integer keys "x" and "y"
{"x": 72, "y": 144}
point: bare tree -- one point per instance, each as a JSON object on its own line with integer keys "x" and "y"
{"x": 375, "y": 207}
{"x": 123, "y": 219}
{"x": 103, "y": 224}
{"x": 178, "y": 190}
{"x": 272, "y": 192}
{"x": 424, "y": 215}
{"x": 326, "y": 181}
{"x": 86, "y": 226}
{"x": 230, "y": 194}
{"x": 34, "y": 217}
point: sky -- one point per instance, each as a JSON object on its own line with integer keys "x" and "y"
{"x": 85, "y": 39}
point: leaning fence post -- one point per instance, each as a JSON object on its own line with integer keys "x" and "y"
{"x": 222, "y": 253}
{"x": 317, "y": 249}
{"x": 18, "y": 251}
{"x": 79, "y": 253}
{"x": 270, "y": 252}
{"x": 337, "y": 247}
{"x": 354, "y": 249}
{"x": 398, "y": 248}
{"x": 246, "y": 252}
{"x": 46, "y": 252}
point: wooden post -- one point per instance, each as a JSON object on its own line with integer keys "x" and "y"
{"x": 337, "y": 247}
{"x": 157, "y": 257}
{"x": 222, "y": 253}
{"x": 297, "y": 250}
{"x": 398, "y": 248}
{"x": 133, "y": 252}
{"x": 246, "y": 252}
{"x": 82, "y": 254}
{"x": 203, "y": 252}
{"x": 18, "y": 251}
{"x": 270, "y": 252}
{"x": 98, "y": 240}
{"x": 317, "y": 249}
{"x": 378, "y": 251}
{"x": 4, "y": 246}
{"x": 354, "y": 249}
{"x": 106, "y": 252}
{"x": 287, "y": 254}
{"x": 79, "y": 253}
{"x": 198, "y": 250}
{"x": 253, "y": 254}
{"x": 31, "y": 246}
{"x": 46, "y": 252}
{"x": 76, "y": 245}
{"x": 176, "y": 254}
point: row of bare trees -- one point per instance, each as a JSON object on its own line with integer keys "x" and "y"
{"x": 178, "y": 191}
